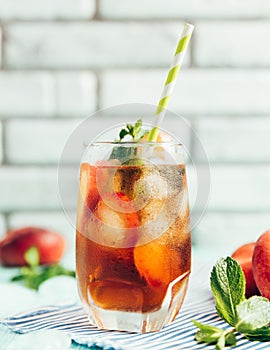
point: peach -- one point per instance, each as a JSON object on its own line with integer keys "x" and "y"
{"x": 156, "y": 263}
{"x": 261, "y": 264}
{"x": 50, "y": 245}
{"x": 162, "y": 137}
{"x": 243, "y": 255}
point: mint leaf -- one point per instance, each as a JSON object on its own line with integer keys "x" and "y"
{"x": 230, "y": 338}
{"x": 137, "y": 128}
{"x": 252, "y": 314}
{"x": 122, "y": 134}
{"x": 207, "y": 334}
{"x": 259, "y": 334}
{"x": 135, "y": 131}
{"x": 127, "y": 154}
{"x": 228, "y": 288}
{"x": 31, "y": 256}
{"x": 221, "y": 342}
{"x": 214, "y": 335}
{"x": 226, "y": 339}
{"x": 33, "y": 276}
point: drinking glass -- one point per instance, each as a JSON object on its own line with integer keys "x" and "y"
{"x": 133, "y": 244}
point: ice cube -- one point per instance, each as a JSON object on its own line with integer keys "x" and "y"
{"x": 16, "y": 298}
{"x": 149, "y": 191}
{"x": 58, "y": 290}
{"x": 41, "y": 340}
{"x": 173, "y": 175}
{"x": 158, "y": 215}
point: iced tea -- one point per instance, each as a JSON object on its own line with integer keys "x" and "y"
{"x": 133, "y": 243}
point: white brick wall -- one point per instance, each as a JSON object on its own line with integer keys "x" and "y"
{"x": 46, "y": 94}
{"x": 232, "y": 44}
{"x": 220, "y": 234}
{"x": 95, "y": 45}
{"x": 188, "y": 9}
{"x": 30, "y": 188}
{"x": 75, "y": 94}
{"x": 25, "y": 94}
{"x": 236, "y": 139}
{"x": 49, "y": 9}
{"x": 239, "y": 187}
{"x": 37, "y": 141}
{"x": 63, "y": 59}
{"x": 34, "y": 188}
{"x": 199, "y": 91}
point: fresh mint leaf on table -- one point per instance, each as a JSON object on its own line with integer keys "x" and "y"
{"x": 250, "y": 317}
{"x": 33, "y": 276}
{"x": 253, "y": 313}
{"x": 260, "y": 334}
{"x": 210, "y": 334}
{"x": 228, "y": 287}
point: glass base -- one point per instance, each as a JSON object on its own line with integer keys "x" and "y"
{"x": 136, "y": 321}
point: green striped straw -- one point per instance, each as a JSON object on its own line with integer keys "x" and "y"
{"x": 171, "y": 80}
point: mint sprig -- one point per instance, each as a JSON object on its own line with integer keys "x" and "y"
{"x": 249, "y": 317}
{"x": 127, "y": 154}
{"x": 135, "y": 131}
{"x": 214, "y": 335}
{"x": 33, "y": 275}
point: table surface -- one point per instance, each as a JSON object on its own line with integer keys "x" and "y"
{"x": 7, "y": 337}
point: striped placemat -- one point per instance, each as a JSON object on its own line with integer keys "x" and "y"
{"x": 179, "y": 335}
{"x": 71, "y": 319}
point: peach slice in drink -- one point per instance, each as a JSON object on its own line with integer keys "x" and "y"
{"x": 157, "y": 263}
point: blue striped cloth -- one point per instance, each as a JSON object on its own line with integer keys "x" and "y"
{"x": 71, "y": 319}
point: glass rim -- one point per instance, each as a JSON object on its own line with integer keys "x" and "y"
{"x": 126, "y": 143}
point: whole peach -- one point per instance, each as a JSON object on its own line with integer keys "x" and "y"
{"x": 50, "y": 246}
{"x": 243, "y": 255}
{"x": 261, "y": 264}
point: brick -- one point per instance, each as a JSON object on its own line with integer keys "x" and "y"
{"x": 176, "y": 9}
{"x": 198, "y": 91}
{"x": 25, "y": 94}
{"x": 221, "y": 234}
{"x": 56, "y": 221}
{"x": 44, "y": 94}
{"x": 233, "y": 188}
{"x": 51, "y": 9}
{"x": 28, "y": 188}
{"x": 37, "y": 141}
{"x": 90, "y": 45}
{"x": 243, "y": 44}
{"x": 239, "y": 188}
{"x": 75, "y": 94}
{"x": 234, "y": 139}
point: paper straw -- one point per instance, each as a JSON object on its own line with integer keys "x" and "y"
{"x": 171, "y": 80}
